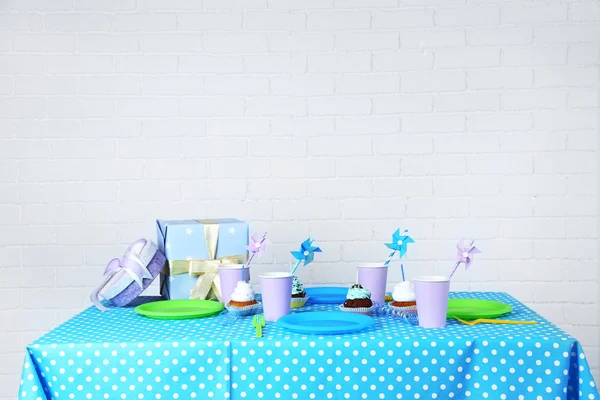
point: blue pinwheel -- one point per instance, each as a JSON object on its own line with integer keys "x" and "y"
{"x": 305, "y": 253}
{"x": 399, "y": 242}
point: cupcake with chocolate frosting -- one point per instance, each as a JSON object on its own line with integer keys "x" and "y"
{"x": 358, "y": 300}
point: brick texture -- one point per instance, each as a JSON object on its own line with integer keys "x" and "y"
{"x": 342, "y": 119}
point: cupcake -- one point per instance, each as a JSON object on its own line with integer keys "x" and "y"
{"x": 298, "y": 294}
{"x": 358, "y": 300}
{"x": 242, "y": 299}
{"x": 404, "y": 297}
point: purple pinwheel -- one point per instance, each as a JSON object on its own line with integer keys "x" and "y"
{"x": 464, "y": 254}
{"x": 257, "y": 244}
{"x": 305, "y": 253}
{"x": 399, "y": 242}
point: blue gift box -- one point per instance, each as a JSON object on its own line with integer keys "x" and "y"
{"x": 194, "y": 249}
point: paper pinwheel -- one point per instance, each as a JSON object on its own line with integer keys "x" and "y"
{"x": 257, "y": 244}
{"x": 399, "y": 242}
{"x": 464, "y": 254}
{"x": 306, "y": 254}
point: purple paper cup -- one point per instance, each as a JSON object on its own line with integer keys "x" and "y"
{"x": 432, "y": 300}
{"x": 374, "y": 278}
{"x": 230, "y": 275}
{"x": 276, "y": 289}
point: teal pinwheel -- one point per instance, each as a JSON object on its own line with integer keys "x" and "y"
{"x": 399, "y": 242}
{"x": 306, "y": 252}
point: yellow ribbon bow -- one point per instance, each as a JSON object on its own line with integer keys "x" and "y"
{"x": 207, "y": 271}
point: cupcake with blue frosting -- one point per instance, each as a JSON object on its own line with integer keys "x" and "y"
{"x": 358, "y": 300}
{"x": 299, "y": 297}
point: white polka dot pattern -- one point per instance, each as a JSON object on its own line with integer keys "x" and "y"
{"x": 119, "y": 354}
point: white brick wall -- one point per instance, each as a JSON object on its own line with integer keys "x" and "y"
{"x": 341, "y": 119}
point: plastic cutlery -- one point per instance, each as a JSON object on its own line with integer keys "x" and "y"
{"x": 495, "y": 321}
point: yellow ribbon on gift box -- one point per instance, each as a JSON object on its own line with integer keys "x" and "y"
{"x": 207, "y": 271}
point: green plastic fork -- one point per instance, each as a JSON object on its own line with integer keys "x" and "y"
{"x": 258, "y": 322}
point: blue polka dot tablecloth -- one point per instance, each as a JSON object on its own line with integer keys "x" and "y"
{"x": 120, "y": 355}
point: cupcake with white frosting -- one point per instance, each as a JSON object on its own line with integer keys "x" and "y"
{"x": 242, "y": 299}
{"x": 404, "y": 297}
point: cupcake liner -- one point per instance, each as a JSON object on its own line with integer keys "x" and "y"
{"x": 298, "y": 302}
{"x": 404, "y": 309}
{"x": 244, "y": 311}
{"x": 358, "y": 310}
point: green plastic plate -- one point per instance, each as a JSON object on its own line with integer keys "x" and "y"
{"x": 473, "y": 309}
{"x": 179, "y": 309}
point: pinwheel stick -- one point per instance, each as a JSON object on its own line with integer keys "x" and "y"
{"x": 389, "y": 259}
{"x": 247, "y": 263}
{"x": 453, "y": 270}
{"x": 295, "y": 267}
{"x": 402, "y": 269}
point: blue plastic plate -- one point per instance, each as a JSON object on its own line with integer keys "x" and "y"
{"x": 327, "y": 295}
{"x": 325, "y": 322}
